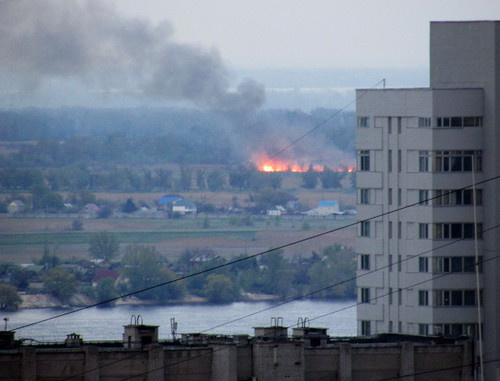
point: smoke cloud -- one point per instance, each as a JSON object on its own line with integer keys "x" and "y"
{"x": 89, "y": 41}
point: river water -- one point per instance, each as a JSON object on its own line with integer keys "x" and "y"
{"x": 96, "y": 324}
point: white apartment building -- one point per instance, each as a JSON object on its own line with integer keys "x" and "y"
{"x": 426, "y": 147}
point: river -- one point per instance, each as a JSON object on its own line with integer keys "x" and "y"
{"x": 96, "y": 324}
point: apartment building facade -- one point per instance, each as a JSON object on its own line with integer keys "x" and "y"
{"x": 428, "y": 239}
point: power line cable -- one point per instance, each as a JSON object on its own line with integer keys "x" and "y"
{"x": 342, "y": 309}
{"x": 344, "y": 281}
{"x": 318, "y": 317}
{"x": 331, "y": 286}
{"x": 230, "y": 263}
{"x": 320, "y": 124}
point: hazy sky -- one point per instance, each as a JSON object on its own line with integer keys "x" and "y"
{"x": 313, "y": 33}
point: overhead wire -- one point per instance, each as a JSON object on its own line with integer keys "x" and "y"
{"x": 342, "y": 309}
{"x": 334, "y": 285}
{"x": 230, "y": 263}
{"x": 320, "y": 124}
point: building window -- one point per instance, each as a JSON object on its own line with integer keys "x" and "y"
{"x": 364, "y": 262}
{"x": 390, "y": 326}
{"x": 457, "y": 161}
{"x": 399, "y": 124}
{"x": 424, "y": 122}
{"x": 364, "y": 229}
{"x": 423, "y": 231}
{"x": 447, "y": 197}
{"x": 400, "y": 296}
{"x": 423, "y": 161}
{"x": 400, "y": 263}
{"x": 399, "y": 160}
{"x": 423, "y": 297}
{"x": 365, "y": 328}
{"x": 364, "y": 196}
{"x": 423, "y": 197}
{"x": 400, "y": 196}
{"x": 466, "y": 264}
{"x": 390, "y": 262}
{"x": 390, "y": 230}
{"x": 389, "y": 160}
{"x": 469, "y": 329}
{"x": 363, "y": 121}
{"x": 458, "y": 121}
{"x": 455, "y": 298}
{"x": 389, "y": 196}
{"x": 390, "y": 295}
{"x": 423, "y": 264}
{"x": 423, "y": 329}
{"x": 365, "y": 294}
{"x": 400, "y": 230}
{"x": 364, "y": 160}
{"x": 457, "y": 231}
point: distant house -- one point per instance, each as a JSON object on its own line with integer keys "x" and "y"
{"x": 277, "y": 210}
{"x": 166, "y": 202}
{"x": 103, "y": 274}
{"x": 177, "y": 204}
{"x": 90, "y": 211}
{"x": 325, "y": 208}
{"x": 16, "y": 206}
{"x": 184, "y": 206}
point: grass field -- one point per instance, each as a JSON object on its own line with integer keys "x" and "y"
{"x": 23, "y": 239}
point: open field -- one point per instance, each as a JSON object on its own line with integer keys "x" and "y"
{"x": 23, "y": 239}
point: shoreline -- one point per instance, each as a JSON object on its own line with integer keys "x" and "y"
{"x": 37, "y": 301}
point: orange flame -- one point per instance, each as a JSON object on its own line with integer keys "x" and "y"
{"x": 278, "y": 165}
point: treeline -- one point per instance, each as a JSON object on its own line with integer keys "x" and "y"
{"x": 76, "y": 137}
{"x": 146, "y": 179}
{"x": 325, "y": 275}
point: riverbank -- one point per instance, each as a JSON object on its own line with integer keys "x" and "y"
{"x": 81, "y": 300}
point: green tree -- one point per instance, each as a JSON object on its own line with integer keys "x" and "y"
{"x": 9, "y": 298}
{"x": 129, "y": 206}
{"x": 336, "y": 266}
{"x": 51, "y": 202}
{"x": 61, "y": 284}
{"x": 330, "y": 179}
{"x": 106, "y": 290}
{"x": 104, "y": 245}
{"x": 220, "y": 289}
{"x": 215, "y": 180}
{"x": 310, "y": 179}
{"x": 49, "y": 259}
{"x": 145, "y": 267}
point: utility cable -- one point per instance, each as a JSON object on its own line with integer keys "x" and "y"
{"x": 318, "y": 317}
{"x": 230, "y": 263}
{"x": 331, "y": 286}
{"x": 320, "y": 124}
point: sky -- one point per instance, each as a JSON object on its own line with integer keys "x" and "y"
{"x": 219, "y": 54}
{"x": 313, "y": 33}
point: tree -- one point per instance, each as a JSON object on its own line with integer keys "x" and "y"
{"x": 215, "y": 180}
{"x": 336, "y": 266}
{"x": 9, "y": 299}
{"x": 220, "y": 289}
{"x": 105, "y": 290}
{"x": 129, "y": 206}
{"x": 330, "y": 179}
{"x": 145, "y": 267}
{"x": 310, "y": 179}
{"x": 104, "y": 245}
{"x": 61, "y": 284}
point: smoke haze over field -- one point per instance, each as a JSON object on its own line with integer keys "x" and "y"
{"x": 89, "y": 41}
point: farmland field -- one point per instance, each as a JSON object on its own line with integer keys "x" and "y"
{"x": 23, "y": 239}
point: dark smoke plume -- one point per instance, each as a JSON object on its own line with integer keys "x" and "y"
{"x": 88, "y": 40}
